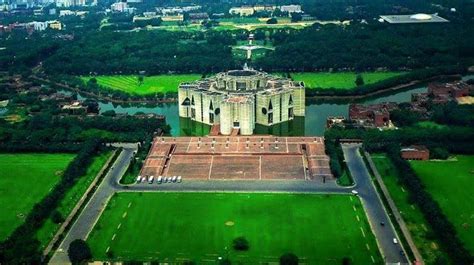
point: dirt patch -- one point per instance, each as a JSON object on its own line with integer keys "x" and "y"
{"x": 434, "y": 245}
{"x": 229, "y": 223}
{"x": 59, "y": 173}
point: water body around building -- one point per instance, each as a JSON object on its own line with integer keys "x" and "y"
{"x": 313, "y": 124}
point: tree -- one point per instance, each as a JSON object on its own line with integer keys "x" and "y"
{"x": 359, "y": 80}
{"x": 140, "y": 80}
{"x": 56, "y": 217}
{"x": 296, "y": 17}
{"x": 224, "y": 262}
{"x": 288, "y": 259}
{"x": 272, "y": 21}
{"x": 241, "y": 243}
{"x": 79, "y": 251}
{"x": 346, "y": 261}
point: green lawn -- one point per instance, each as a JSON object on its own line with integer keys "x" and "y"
{"x": 71, "y": 198}
{"x": 25, "y": 179}
{"x": 450, "y": 183}
{"x": 150, "y": 85}
{"x": 341, "y": 80}
{"x": 430, "y": 125}
{"x": 174, "y": 227}
{"x": 417, "y": 225}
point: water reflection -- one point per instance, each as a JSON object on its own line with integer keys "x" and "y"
{"x": 313, "y": 124}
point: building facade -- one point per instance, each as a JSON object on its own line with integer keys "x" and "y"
{"x": 239, "y": 99}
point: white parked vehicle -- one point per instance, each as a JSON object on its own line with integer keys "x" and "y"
{"x": 178, "y": 179}
{"x": 159, "y": 180}
{"x": 166, "y": 179}
{"x": 144, "y": 178}
{"x": 395, "y": 241}
{"x": 173, "y": 179}
{"x": 355, "y": 192}
{"x": 150, "y": 179}
{"x": 139, "y": 178}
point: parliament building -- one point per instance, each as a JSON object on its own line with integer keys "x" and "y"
{"x": 237, "y": 100}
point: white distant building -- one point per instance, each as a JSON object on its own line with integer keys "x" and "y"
{"x": 242, "y": 11}
{"x": 121, "y": 7}
{"x": 291, "y": 9}
{"x": 415, "y": 18}
{"x": 67, "y": 12}
{"x": 39, "y": 26}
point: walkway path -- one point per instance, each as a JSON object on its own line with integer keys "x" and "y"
{"x": 392, "y": 253}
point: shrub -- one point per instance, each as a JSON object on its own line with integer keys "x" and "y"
{"x": 288, "y": 259}
{"x": 79, "y": 251}
{"x": 241, "y": 244}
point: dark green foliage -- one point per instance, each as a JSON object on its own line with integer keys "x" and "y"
{"x": 367, "y": 47}
{"x": 240, "y": 244}
{"x": 359, "y": 80}
{"x": 289, "y": 259}
{"x": 346, "y": 261}
{"x": 272, "y": 21}
{"x": 439, "y": 153}
{"x": 404, "y": 117}
{"x": 79, "y": 252}
{"x": 225, "y": 262}
{"x": 56, "y": 217}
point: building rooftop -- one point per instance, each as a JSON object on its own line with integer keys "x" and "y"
{"x": 414, "y": 18}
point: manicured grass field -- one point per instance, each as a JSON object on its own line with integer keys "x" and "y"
{"x": 71, "y": 198}
{"x": 25, "y": 179}
{"x": 450, "y": 183}
{"x": 416, "y": 222}
{"x": 150, "y": 85}
{"x": 341, "y": 80}
{"x": 175, "y": 227}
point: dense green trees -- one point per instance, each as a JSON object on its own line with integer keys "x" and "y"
{"x": 368, "y": 47}
{"x": 153, "y": 51}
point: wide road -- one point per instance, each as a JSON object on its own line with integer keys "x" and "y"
{"x": 392, "y": 253}
{"x": 91, "y": 212}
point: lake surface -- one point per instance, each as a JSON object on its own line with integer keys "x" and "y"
{"x": 313, "y": 124}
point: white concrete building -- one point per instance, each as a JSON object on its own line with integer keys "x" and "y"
{"x": 239, "y": 99}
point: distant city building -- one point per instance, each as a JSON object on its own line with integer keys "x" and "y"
{"x": 55, "y": 25}
{"x": 198, "y": 17}
{"x": 243, "y": 11}
{"x": 416, "y": 18}
{"x": 175, "y": 10}
{"x": 415, "y": 152}
{"x": 122, "y": 7}
{"x": 237, "y": 100}
{"x": 291, "y": 9}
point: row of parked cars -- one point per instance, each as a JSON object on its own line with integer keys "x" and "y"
{"x": 159, "y": 179}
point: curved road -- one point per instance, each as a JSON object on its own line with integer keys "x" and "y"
{"x": 374, "y": 208}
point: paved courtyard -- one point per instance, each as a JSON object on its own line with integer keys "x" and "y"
{"x": 238, "y": 158}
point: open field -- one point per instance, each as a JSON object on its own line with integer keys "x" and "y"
{"x": 450, "y": 183}
{"x": 71, "y": 198}
{"x": 150, "y": 85}
{"x": 416, "y": 222}
{"x": 173, "y": 227}
{"x": 340, "y": 80}
{"x": 24, "y": 180}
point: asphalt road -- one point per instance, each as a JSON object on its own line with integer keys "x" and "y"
{"x": 392, "y": 253}
{"x": 91, "y": 212}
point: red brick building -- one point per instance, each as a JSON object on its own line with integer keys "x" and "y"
{"x": 377, "y": 115}
{"x": 415, "y": 152}
{"x": 444, "y": 92}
